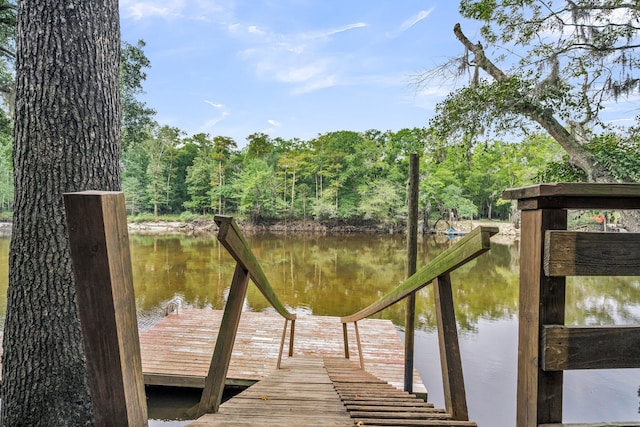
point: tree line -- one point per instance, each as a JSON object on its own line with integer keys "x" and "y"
{"x": 341, "y": 175}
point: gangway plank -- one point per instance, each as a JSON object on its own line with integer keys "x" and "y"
{"x": 325, "y": 392}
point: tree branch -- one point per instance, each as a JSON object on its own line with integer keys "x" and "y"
{"x": 544, "y": 117}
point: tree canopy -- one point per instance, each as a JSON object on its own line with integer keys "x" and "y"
{"x": 555, "y": 63}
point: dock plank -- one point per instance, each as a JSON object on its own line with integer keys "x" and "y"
{"x": 177, "y": 350}
{"x": 285, "y": 398}
{"x": 272, "y": 402}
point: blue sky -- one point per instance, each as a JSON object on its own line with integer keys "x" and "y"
{"x": 291, "y": 68}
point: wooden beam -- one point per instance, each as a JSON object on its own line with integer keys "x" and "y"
{"x": 232, "y": 239}
{"x": 570, "y": 253}
{"x": 214, "y": 382}
{"x": 583, "y": 347}
{"x": 455, "y": 397}
{"x": 99, "y": 241}
{"x": 542, "y": 301}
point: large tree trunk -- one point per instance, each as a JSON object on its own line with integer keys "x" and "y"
{"x": 66, "y": 138}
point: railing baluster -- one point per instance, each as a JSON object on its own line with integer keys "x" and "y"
{"x": 345, "y": 333}
{"x": 471, "y": 246}
{"x": 359, "y": 343}
{"x": 292, "y": 336}
{"x": 284, "y": 336}
{"x": 99, "y": 243}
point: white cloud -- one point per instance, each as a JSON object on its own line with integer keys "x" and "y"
{"x": 296, "y": 59}
{"x": 199, "y": 10}
{"x": 213, "y": 104}
{"x": 340, "y": 30}
{"x": 274, "y": 123}
{"x": 143, "y": 9}
{"x": 211, "y": 123}
{"x": 423, "y": 14}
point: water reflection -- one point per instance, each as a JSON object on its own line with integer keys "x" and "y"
{"x": 338, "y": 275}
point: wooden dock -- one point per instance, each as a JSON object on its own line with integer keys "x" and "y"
{"x": 177, "y": 350}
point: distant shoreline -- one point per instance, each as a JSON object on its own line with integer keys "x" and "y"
{"x": 208, "y": 226}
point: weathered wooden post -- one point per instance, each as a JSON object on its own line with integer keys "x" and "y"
{"x": 412, "y": 261}
{"x": 542, "y": 296}
{"x": 99, "y": 241}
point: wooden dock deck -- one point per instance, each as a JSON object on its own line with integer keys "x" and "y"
{"x": 315, "y": 391}
{"x": 177, "y": 350}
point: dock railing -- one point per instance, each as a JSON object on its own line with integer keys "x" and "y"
{"x": 437, "y": 272}
{"x": 548, "y": 254}
{"x": 247, "y": 267}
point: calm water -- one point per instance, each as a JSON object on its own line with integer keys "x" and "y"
{"x": 338, "y": 275}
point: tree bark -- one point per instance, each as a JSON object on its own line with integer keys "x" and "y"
{"x": 66, "y": 138}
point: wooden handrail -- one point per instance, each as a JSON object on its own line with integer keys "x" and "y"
{"x": 247, "y": 267}
{"x": 472, "y": 245}
{"x": 437, "y": 271}
{"x": 232, "y": 239}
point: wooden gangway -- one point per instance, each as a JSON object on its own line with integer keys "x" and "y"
{"x": 314, "y": 391}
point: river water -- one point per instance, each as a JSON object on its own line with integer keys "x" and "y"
{"x": 336, "y": 275}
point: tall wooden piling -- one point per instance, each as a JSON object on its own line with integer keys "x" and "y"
{"x": 412, "y": 261}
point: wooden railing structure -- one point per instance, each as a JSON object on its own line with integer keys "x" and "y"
{"x": 247, "y": 267}
{"x": 98, "y": 236}
{"x": 99, "y": 242}
{"x": 548, "y": 254}
{"x": 437, "y": 272}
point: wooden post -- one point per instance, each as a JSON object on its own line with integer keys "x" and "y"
{"x": 99, "y": 241}
{"x": 214, "y": 382}
{"x": 452, "y": 379}
{"x": 542, "y": 302}
{"x": 412, "y": 258}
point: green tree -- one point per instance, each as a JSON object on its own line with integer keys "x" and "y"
{"x": 157, "y": 148}
{"x": 223, "y": 147}
{"x": 6, "y": 170}
{"x": 259, "y": 145}
{"x": 382, "y": 201}
{"x": 67, "y": 77}
{"x": 8, "y": 11}
{"x": 257, "y": 189}
{"x": 137, "y": 117}
{"x": 561, "y": 82}
{"x": 199, "y": 174}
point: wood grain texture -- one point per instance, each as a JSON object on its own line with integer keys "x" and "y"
{"x": 371, "y": 401}
{"x": 450, "y": 361}
{"x": 233, "y": 240}
{"x": 574, "y": 190}
{"x": 99, "y": 244}
{"x": 582, "y": 347}
{"x": 215, "y": 381}
{"x": 542, "y": 301}
{"x": 569, "y": 253}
